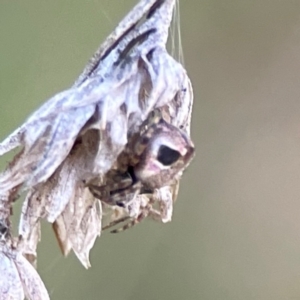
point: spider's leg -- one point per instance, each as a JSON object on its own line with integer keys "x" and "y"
{"x": 121, "y": 197}
{"x": 132, "y": 222}
{"x": 115, "y": 222}
{"x": 143, "y": 214}
{"x": 155, "y": 215}
{"x": 114, "y": 192}
{"x": 133, "y": 189}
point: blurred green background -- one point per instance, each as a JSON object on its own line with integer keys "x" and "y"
{"x": 235, "y": 232}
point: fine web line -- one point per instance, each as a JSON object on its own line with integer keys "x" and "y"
{"x": 175, "y": 41}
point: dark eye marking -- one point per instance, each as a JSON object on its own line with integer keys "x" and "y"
{"x": 167, "y": 156}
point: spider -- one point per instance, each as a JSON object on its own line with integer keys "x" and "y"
{"x": 137, "y": 210}
{"x": 151, "y": 160}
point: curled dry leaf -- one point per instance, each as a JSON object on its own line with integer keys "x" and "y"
{"x": 109, "y": 97}
{"x": 78, "y": 134}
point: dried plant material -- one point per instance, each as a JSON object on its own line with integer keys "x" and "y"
{"x": 65, "y": 202}
{"x": 129, "y": 76}
{"x": 18, "y": 278}
{"x": 80, "y": 135}
{"x": 78, "y": 227}
{"x": 133, "y": 62}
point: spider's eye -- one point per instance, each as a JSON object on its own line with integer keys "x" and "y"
{"x": 167, "y": 156}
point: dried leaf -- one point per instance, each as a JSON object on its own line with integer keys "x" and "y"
{"x": 78, "y": 134}
{"x": 18, "y": 277}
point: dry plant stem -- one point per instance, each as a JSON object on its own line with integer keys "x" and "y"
{"x": 18, "y": 278}
{"x": 78, "y": 135}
